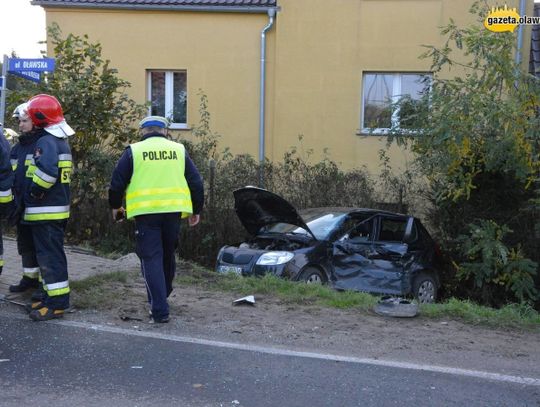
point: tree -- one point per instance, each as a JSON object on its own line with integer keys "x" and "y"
{"x": 96, "y": 105}
{"x": 477, "y": 142}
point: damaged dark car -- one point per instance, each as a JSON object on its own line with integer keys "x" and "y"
{"x": 349, "y": 248}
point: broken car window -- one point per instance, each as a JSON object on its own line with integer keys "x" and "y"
{"x": 392, "y": 230}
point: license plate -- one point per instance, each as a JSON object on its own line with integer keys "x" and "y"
{"x": 230, "y": 269}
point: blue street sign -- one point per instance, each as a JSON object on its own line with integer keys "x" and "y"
{"x": 30, "y": 75}
{"x": 34, "y": 65}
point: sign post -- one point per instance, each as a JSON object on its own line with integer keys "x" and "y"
{"x": 3, "y": 89}
{"x": 24, "y": 68}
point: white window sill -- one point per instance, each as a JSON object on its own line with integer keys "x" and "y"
{"x": 372, "y": 132}
{"x": 386, "y": 132}
{"x": 179, "y": 126}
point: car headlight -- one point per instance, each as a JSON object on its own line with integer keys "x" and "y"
{"x": 274, "y": 258}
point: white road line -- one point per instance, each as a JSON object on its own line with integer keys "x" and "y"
{"x": 531, "y": 381}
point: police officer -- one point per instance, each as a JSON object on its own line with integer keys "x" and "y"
{"x": 46, "y": 204}
{"x": 23, "y": 165}
{"x": 161, "y": 184}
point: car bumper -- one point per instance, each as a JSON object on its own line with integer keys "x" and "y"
{"x": 280, "y": 270}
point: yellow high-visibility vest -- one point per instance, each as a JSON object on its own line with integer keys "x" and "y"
{"x": 158, "y": 184}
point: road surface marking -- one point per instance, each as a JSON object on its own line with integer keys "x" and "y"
{"x": 531, "y": 381}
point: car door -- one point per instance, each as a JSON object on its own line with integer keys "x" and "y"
{"x": 375, "y": 264}
{"x": 350, "y": 257}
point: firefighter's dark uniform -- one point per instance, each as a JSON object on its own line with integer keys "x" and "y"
{"x": 161, "y": 183}
{"x": 6, "y": 182}
{"x": 23, "y": 165}
{"x": 46, "y": 211}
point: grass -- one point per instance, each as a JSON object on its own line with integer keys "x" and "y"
{"x": 95, "y": 292}
{"x": 521, "y": 316}
{"x": 511, "y": 315}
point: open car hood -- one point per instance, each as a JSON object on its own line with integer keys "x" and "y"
{"x": 256, "y": 208}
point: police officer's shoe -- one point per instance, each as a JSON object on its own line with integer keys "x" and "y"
{"x": 25, "y": 284}
{"x": 45, "y": 313}
{"x": 159, "y": 320}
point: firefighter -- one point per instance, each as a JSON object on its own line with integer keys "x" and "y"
{"x": 6, "y": 195}
{"x": 23, "y": 166}
{"x": 161, "y": 184}
{"x": 46, "y": 204}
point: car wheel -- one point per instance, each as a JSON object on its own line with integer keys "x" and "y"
{"x": 311, "y": 275}
{"x": 425, "y": 289}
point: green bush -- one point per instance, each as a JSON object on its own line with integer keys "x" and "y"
{"x": 476, "y": 141}
{"x": 494, "y": 269}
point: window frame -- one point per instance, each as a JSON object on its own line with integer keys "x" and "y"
{"x": 169, "y": 97}
{"x": 396, "y": 95}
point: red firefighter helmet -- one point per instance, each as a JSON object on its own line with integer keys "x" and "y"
{"x": 46, "y": 112}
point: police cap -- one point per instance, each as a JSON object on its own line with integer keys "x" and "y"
{"x": 156, "y": 121}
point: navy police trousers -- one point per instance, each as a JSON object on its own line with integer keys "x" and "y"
{"x": 157, "y": 239}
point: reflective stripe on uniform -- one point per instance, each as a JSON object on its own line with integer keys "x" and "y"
{"x": 157, "y": 191}
{"x": 42, "y": 179}
{"x": 46, "y": 213}
{"x": 159, "y": 204}
{"x": 31, "y": 272}
{"x": 6, "y": 196}
{"x": 55, "y": 289}
{"x": 64, "y": 160}
{"x": 30, "y": 165}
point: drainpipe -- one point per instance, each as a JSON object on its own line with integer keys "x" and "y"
{"x": 262, "y": 110}
{"x": 520, "y": 34}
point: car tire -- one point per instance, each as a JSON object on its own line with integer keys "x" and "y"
{"x": 312, "y": 275}
{"x": 425, "y": 289}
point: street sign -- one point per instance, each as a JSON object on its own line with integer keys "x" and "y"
{"x": 30, "y": 75}
{"x": 34, "y": 65}
{"x": 1, "y": 82}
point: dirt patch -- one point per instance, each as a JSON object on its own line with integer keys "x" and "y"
{"x": 272, "y": 322}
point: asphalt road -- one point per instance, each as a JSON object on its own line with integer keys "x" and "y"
{"x": 69, "y": 365}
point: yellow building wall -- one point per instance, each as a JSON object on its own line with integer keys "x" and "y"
{"x": 322, "y": 50}
{"x": 316, "y": 54}
{"x": 219, "y": 51}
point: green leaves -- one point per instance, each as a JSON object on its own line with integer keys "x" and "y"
{"x": 101, "y": 113}
{"x": 489, "y": 262}
{"x": 478, "y": 144}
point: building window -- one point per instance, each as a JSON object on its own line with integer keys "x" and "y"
{"x": 382, "y": 90}
{"x": 167, "y": 94}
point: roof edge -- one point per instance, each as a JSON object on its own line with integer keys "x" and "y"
{"x": 101, "y": 6}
